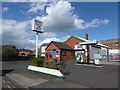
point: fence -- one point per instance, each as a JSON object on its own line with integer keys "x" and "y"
{"x": 16, "y": 58}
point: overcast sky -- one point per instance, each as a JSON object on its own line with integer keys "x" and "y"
{"x": 60, "y": 20}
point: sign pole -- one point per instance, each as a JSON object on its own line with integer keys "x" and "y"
{"x": 36, "y": 44}
{"x": 36, "y": 27}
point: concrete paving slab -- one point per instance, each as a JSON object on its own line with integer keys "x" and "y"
{"x": 24, "y": 81}
{"x": 60, "y": 84}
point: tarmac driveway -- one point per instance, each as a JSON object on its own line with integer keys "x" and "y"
{"x": 96, "y": 77}
{"x": 16, "y": 66}
{"x": 79, "y": 76}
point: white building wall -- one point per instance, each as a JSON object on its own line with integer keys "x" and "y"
{"x": 115, "y": 51}
{"x": 43, "y": 51}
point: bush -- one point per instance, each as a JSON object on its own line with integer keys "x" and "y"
{"x": 48, "y": 63}
{"x": 38, "y": 61}
{"x": 62, "y": 65}
{"x": 9, "y": 52}
{"x": 54, "y": 68}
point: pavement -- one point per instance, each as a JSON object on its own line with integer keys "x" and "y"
{"x": 77, "y": 77}
{"x": 6, "y": 83}
{"x": 110, "y": 62}
{"x": 25, "y": 81}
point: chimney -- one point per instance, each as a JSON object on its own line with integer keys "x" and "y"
{"x": 86, "y": 36}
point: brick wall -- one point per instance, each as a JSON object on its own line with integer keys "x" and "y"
{"x": 26, "y": 53}
{"x": 68, "y": 56}
{"x": 73, "y": 41}
{"x": 51, "y": 46}
{"x": 113, "y": 45}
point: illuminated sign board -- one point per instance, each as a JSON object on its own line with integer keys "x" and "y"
{"x": 37, "y": 26}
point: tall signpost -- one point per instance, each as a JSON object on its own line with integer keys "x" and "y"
{"x": 36, "y": 27}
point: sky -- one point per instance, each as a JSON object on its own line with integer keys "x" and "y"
{"x": 60, "y": 19}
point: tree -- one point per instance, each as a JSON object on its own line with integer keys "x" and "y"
{"x": 9, "y": 52}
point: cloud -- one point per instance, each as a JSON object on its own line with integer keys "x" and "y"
{"x": 48, "y": 35}
{"x": 105, "y": 21}
{"x": 64, "y": 38}
{"x": 5, "y": 9}
{"x": 35, "y": 7}
{"x": 48, "y": 40}
{"x": 96, "y": 23}
{"x": 60, "y": 18}
{"x": 17, "y": 33}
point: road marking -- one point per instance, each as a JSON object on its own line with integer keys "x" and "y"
{"x": 4, "y": 81}
{"x": 13, "y": 86}
{"x": 9, "y": 82}
{"x": 9, "y": 87}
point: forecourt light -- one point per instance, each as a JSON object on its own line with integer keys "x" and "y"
{"x": 37, "y": 27}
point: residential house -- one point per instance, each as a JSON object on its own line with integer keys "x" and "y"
{"x": 59, "y": 51}
{"x": 25, "y": 52}
{"x": 42, "y": 49}
{"x": 34, "y": 52}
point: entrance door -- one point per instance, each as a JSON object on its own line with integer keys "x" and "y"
{"x": 54, "y": 54}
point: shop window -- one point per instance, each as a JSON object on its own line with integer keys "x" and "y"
{"x": 54, "y": 49}
{"x": 63, "y": 53}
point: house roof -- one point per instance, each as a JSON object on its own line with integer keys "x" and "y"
{"x": 60, "y": 45}
{"x": 45, "y": 44}
{"x": 79, "y": 38}
{"x": 110, "y": 41}
{"x": 27, "y": 50}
